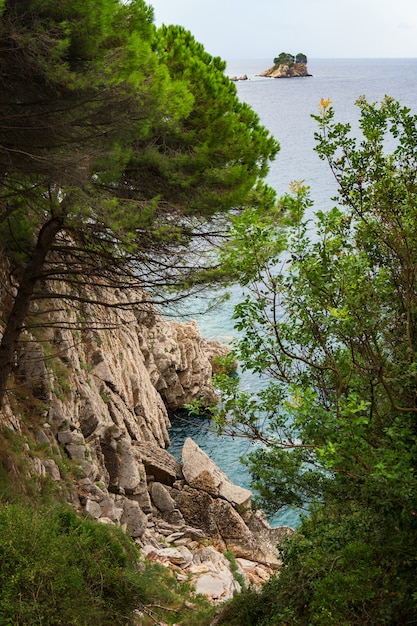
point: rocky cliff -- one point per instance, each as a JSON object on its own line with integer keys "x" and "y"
{"x": 298, "y": 70}
{"x": 89, "y": 400}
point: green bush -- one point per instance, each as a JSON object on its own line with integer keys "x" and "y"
{"x": 337, "y": 569}
{"x": 56, "y": 568}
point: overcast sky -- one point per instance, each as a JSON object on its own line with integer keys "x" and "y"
{"x": 244, "y": 29}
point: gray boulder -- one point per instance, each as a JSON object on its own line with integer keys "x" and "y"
{"x": 161, "y": 498}
{"x": 202, "y": 473}
{"x": 134, "y": 518}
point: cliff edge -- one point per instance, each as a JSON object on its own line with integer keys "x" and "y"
{"x": 298, "y": 70}
{"x": 89, "y": 401}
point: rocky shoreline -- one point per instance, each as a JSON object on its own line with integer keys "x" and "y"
{"x": 101, "y": 404}
{"x": 298, "y": 70}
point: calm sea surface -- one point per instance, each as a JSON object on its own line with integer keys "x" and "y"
{"x": 285, "y": 107}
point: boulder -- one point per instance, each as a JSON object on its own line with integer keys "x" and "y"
{"x": 92, "y": 508}
{"x": 225, "y": 527}
{"x": 161, "y": 498}
{"x": 195, "y": 507}
{"x": 211, "y": 575}
{"x": 158, "y": 462}
{"x": 202, "y": 473}
{"x": 233, "y": 530}
{"x": 264, "y": 535}
{"x": 134, "y": 518}
{"x": 52, "y": 469}
{"x": 180, "y": 555}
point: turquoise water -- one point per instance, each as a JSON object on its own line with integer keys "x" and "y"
{"x": 285, "y": 108}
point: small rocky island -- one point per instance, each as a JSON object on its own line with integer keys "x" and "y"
{"x": 286, "y": 65}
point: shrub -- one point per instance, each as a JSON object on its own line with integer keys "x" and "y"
{"x": 56, "y": 568}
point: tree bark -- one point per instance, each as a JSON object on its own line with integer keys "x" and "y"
{"x": 15, "y": 323}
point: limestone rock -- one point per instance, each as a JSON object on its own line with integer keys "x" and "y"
{"x": 298, "y": 70}
{"x": 255, "y": 575}
{"x": 131, "y": 477}
{"x": 218, "y": 587}
{"x": 195, "y": 506}
{"x": 179, "y": 555}
{"x": 52, "y": 469}
{"x": 106, "y": 396}
{"x": 134, "y": 518}
{"x": 76, "y": 451}
{"x": 178, "y": 353}
{"x": 158, "y": 463}
{"x": 93, "y": 508}
{"x": 42, "y": 437}
{"x": 234, "y": 532}
{"x": 32, "y": 371}
{"x": 109, "y": 509}
{"x": 264, "y": 535}
{"x": 202, "y": 473}
{"x": 70, "y": 437}
{"x": 211, "y": 575}
{"x": 161, "y": 498}
{"x": 220, "y": 522}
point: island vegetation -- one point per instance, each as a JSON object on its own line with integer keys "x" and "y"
{"x": 127, "y": 161}
{"x": 287, "y": 65}
{"x": 286, "y": 58}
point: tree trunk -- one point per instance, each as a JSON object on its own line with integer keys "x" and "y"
{"x": 15, "y": 323}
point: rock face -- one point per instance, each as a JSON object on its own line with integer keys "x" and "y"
{"x": 201, "y": 473}
{"x": 236, "y": 78}
{"x": 298, "y": 70}
{"x": 186, "y": 516}
{"x": 102, "y": 401}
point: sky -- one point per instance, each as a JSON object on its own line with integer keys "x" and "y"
{"x": 261, "y": 29}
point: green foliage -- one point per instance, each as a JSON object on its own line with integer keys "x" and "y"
{"x": 347, "y": 574}
{"x": 301, "y": 58}
{"x": 330, "y": 321}
{"x": 17, "y": 234}
{"x": 246, "y": 609}
{"x": 235, "y": 569}
{"x": 120, "y": 144}
{"x": 136, "y": 132}
{"x": 286, "y": 58}
{"x": 210, "y": 159}
{"x": 337, "y": 569}
{"x": 58, "y": 569}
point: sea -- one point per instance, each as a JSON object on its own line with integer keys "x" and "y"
{"x": 284, "y": 107}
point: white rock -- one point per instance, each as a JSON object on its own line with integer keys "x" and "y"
{"x": 217, "y": 586}
{"x": 202, "y": 473}
{"x": 93, "y": 508}
{"x": 180, "y": 555}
